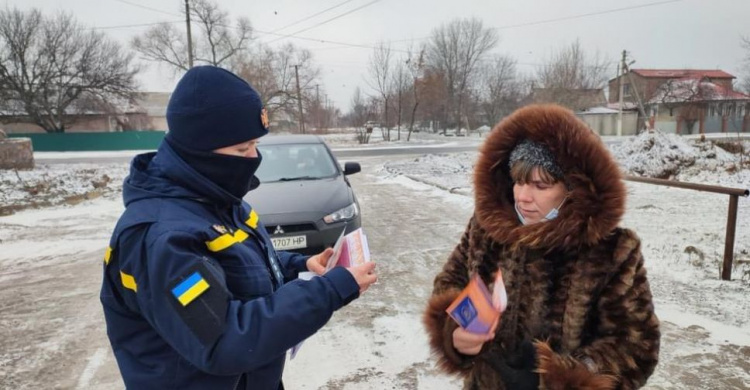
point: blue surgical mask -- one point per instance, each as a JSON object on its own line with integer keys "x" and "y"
{"x": 552, "y": 214}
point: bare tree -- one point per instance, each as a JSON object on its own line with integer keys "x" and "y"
{"x": 570, "y": 76}
{"x": 690, "y": 97}
{"x": 321, "y": 112}
{"x": 52, "y": 68}
{"x": 401, "y": 86}
{"x": 745, "y": 42}
{"x": 379, "y": 70}
{"x": 501, "y": 88}
{"x": 455, "y": 50}
{"x": 434, "y": 98}
{"x": 217, "y": 43}
{"x": 358, "y": 116}
{"x": 415, "y": 65}
{"x": 271, "y": 73}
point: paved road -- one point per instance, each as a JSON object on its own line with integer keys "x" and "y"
{"x": 450, "y": 146}
{"x": 126, "y": 156}
{"x": 462, "y": 145}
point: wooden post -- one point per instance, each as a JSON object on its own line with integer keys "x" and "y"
{"x": 189, "y": 35}
{"x": 726, "y": 269}
{"x": 299, "y": 102}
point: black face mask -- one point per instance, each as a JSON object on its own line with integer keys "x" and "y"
{"x": 235, "y": 175}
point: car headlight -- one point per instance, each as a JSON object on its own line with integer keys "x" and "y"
{"x": 344, "y": 214}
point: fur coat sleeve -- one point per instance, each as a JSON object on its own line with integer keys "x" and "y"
{"x": 624, "y": 349}
{"x": 448, "y": 284}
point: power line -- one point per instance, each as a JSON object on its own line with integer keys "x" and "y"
{"x": 133, "y": 25}
{"x": 366, "y": 46}
{"x": 280, "y": 36}
{"x": 148, "y": 8}
{"x": 312, "y": 16}
{"x": 587, "y": 14}
{"x": 326, "y": 21}
{"x": 564, "y": 18}
{"x": 370, "y": 47}
{"x": 363, "y": 46}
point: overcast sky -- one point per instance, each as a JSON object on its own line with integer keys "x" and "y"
{"x": 694, "y": 34}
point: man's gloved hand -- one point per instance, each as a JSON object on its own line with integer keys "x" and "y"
{"x": 517, "y": 369}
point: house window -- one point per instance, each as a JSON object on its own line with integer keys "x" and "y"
{"x": 626, "y": 90}
{"x": 671, "y": 113}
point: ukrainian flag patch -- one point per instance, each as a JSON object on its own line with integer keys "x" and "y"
{"x": 190, "y": 288}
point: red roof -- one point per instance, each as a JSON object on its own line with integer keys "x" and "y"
{"x": 730, "y": 94}
{"x": 695, "y": 90}
{"x": 683, "y": 73}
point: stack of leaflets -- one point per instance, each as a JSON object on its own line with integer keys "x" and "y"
{"x": 475, "y": 309}
{"x": 350, "y": 250}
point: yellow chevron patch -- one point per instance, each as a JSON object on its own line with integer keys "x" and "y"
{"x": 226, "y": 240}
{"x": 128, "y": 281}
{"x": 107, "y": 255}
{"x": 253, "y": 220}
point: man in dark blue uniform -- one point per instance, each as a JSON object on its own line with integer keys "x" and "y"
{"x": 194, "y": 295}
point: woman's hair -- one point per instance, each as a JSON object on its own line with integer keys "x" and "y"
{"x": 523, "y": 170}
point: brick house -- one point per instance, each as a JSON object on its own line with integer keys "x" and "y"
{"x": 148, "y": 112}
{"x": 686, "y": 101}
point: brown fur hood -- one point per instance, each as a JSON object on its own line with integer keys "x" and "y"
{"x": 597, "y": 199}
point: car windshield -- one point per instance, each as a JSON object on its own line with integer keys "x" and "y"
{"x": 295, "y": 162}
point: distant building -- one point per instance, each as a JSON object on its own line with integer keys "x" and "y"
{"x": 575, "y": 99}
{"x": 155, "y": 104}
{"x": 685, "y": 101}
{"x": 603, "y": 120}
{"x": 148, "y": 112}
{"x": 649, "y": 81}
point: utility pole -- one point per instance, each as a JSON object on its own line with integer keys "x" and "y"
{"x": 299, "y": 102}
{"x": 189, "y": 34}
{"x": 317, "y": 110}
{"x": 620, "y": 74}
{"x": 641, "y": 110}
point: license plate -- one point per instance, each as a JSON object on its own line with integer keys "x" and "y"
{"x": 291, "y": 242}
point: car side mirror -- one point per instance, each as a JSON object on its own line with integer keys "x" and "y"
{"x": 351, "y": 168}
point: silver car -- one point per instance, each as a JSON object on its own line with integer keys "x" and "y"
{"x": 304, "y": 200}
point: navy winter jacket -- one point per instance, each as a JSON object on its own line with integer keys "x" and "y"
{"x": 190, "y": 295}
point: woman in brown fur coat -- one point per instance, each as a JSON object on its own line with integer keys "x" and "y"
{"x": 548, "y": 199}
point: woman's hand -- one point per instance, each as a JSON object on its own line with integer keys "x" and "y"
{"x": 317, "y": 263}
{"x": 471, "y": 343}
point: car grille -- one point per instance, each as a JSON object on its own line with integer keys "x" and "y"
{"x": 291, "y": 228}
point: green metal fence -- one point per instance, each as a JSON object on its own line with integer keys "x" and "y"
{"x": 69, "y": 142}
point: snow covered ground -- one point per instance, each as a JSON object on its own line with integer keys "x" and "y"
{"x": 49, "y": 265}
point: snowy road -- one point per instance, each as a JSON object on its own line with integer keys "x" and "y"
{"x": 52, "y": 331}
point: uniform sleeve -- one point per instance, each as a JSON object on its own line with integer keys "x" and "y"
{"x": 292, "y": 264}
{"x": 447, "y": 286}
{"x": 625, "y": 350}
{"x": 218, "y": 334}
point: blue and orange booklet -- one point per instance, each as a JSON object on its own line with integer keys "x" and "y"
{"x": 475, "y": 309}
